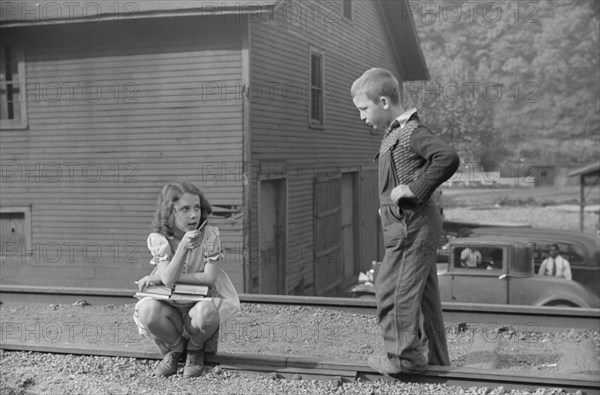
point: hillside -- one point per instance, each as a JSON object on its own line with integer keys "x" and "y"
{"x": 515, "y": 80}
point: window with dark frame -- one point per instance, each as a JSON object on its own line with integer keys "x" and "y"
{"x": 347, "y": 9}
{"x": 316, "y": 89}
{"x": 15, "y": 229}
{"x": 12, "y": 103}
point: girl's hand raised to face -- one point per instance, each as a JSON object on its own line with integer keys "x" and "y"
{"x": 190, "y": 240}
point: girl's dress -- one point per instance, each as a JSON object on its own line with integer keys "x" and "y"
{"x": 223, "y": 294}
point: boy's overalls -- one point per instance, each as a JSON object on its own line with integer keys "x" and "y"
{"x": 407, "y": 293}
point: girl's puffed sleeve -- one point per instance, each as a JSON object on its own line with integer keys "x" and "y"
{"x": 213, "y": 251}
{"x": 159, "y": 248}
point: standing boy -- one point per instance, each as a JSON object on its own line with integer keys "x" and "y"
{"x": 412, "y": 164}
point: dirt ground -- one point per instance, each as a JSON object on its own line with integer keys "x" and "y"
{"x": 539, "y": 196}
{"x": 543, "y": 207}
{"x": 537, "y": 217}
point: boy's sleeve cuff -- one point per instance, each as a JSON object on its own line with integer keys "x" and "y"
{"x": 420, "y": 190}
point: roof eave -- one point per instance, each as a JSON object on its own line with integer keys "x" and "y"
{"x": 186, "y": 9}
{"x": 401, "y": 24}
{"x": 586, "y": 170}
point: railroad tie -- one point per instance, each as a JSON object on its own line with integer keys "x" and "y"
{"x": 578, "y": 358}
{"x": 483, "y": 353}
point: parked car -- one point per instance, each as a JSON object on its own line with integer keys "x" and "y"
{"x": 582, "y": 250}
{"x": 503, "y": 275}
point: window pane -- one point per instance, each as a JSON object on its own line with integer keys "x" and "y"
{"x": 313, "y": 68}
{"x": 9, "y": 91}
{"x": 347, "y": 8}
{"x": 3, "y": 108}
{"x": 317, "y": 105}
{"x": 16, "y": 103}
{"x": 316, "y": 88}
{"x": 573, "y": 253}
{"x": 7, "y": 63}
{"x": 316, "y": 75}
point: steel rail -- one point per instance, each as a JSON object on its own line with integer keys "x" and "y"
{"x": 529, "y": 318}
{"x": 315, "y": 368}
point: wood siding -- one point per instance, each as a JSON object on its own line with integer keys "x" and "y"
{"x": 116, "y": 110}
{"x": 279, "y": 115}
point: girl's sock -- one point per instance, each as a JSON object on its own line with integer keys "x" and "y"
{"x": 192, "y": 345}
{"x": 178, "y": 345}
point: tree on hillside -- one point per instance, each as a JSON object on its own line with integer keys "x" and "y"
{"x": 534, "y": 67}
{"x": 455, "y": 111}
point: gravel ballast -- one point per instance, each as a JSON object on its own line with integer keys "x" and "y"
{"x": 258, "y": 329}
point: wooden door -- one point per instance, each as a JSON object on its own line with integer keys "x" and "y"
{"x": 327, "y": 236}
{"x": 350, "y": 225}
{"x": 272, "y": 236}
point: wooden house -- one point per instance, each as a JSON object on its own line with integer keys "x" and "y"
{"x": 105, "y": 102}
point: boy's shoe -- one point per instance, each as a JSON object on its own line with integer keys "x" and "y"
{"x": 194, "y": 364}
{"x": 168, "y": 366}
{"x": 384, "y": 365}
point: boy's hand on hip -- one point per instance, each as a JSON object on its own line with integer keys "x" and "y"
{"x": 401, "y": 191}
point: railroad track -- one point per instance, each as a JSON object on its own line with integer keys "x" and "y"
{"x": 531, "y": 317}
{"x": 286, "y": 367}
{"x": 314, "y": 368}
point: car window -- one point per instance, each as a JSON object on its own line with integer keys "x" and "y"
{"x": 573, "y": 253}
{"x": 478, "y": 258}
{"x": 443, "y": 254}
{"x": 521, "y": 259}
{"x": 493, "y": 258}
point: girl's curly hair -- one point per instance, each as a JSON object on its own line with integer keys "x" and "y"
{"x": 164, "y": 221}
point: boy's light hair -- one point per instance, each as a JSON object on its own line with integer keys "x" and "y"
{"x": 375, "y": 83}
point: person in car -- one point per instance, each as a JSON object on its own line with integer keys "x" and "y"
{"x": 555, "y": 265}
{"x": 470, "y": 258}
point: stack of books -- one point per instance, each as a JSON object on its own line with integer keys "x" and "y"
{"x": 180, "y": 292}
{"x": 189, "y": 292}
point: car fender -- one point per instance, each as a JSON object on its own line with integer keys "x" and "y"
{"x": 563, "y": 290}
{"x": 544, "y": 290}
{"x": 562, "y": 297}
{"x": 363, "y": 288}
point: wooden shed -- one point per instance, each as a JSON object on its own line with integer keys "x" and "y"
{"x": 105, "y": 102}
{"x": 589, "y": 176}
{"x": 544, "y": 175}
